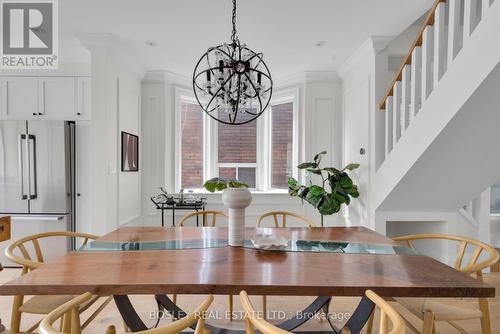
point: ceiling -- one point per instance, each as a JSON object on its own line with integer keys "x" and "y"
{"x": 286, "y": 31}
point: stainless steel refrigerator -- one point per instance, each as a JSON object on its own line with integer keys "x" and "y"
{"x": 37, "y": 180}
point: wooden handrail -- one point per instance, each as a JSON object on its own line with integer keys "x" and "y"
{"x": 429, "y": 21}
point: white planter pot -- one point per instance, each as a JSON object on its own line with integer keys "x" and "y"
{"x": 236, "y": 200}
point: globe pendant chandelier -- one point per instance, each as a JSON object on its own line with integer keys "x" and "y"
{"x": 232, "y": 83}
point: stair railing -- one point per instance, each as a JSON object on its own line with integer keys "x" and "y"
{"x": 445, "y": 30}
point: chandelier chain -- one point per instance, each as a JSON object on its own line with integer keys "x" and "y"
{"x": 233, "y": 36}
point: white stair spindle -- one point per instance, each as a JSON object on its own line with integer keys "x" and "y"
{"x": 427, "y": 62}
{"x": 416, "y": 81}
{"x": 470, "y": 18}
{"x": 440, "y": 42}
{"x": 405, "y": 97}
{"x": 396, "y": 111}
{"x": 388, "y": 125}
{"x": 454, "y": 29}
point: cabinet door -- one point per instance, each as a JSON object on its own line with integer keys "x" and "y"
{"x": 19, "y": 98}
{"x": 83, "y": 98}
{"x": 57, "y": 98}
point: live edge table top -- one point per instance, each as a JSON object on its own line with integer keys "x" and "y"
{"x": 228, "y": 270}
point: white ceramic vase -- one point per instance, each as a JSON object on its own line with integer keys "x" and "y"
{"x": 236, "y": 200}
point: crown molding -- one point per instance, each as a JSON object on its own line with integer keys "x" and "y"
{"x": 161, "y": 76}
{"x": 373, "y": 45}
{"x": 306, "y": 77}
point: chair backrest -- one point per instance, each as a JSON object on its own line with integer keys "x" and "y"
{"x": 71, "y": 307}
{"x": 387, "y": 312}
{"x": 205, "y": 217}
{"x": 254, "y": 319}
{"x": 32, "y": 261}
{"x": 284, "y": 215}
{"x": 471, "y": 266}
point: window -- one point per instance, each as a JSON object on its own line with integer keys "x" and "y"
{"x": 281, "y": 144}
{"x": 191, "y": 145}
{"x": 237, "y": 151}
{"x": 261, "y": 153}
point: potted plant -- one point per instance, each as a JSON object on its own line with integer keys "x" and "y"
{"x": 236, "y": 197}
{"x": 336, "y": 188}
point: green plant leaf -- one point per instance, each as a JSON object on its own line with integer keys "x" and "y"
{"x": 318, "y": 156}
{"x": 293, "y": 187}
{"x": 314, "y": 171}
{"x": 345, "y": 181}
{"x": 332, "y": 170}
{"x": 303, "y": 192}
{"x": 305, "y": 165}
{"x": 351, "y": 167}
{"x": 340, "y": 198}
{"x": 219, "y": 184}
{"x": 314, "y": 195}
{"x": 329, "y": 205}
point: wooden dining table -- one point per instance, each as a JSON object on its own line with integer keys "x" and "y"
{"x": 323, "y": 262}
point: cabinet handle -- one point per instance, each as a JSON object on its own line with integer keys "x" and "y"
{"x": 34, "y": 114}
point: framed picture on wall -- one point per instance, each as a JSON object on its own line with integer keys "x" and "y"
{"x": 130, "y": 152}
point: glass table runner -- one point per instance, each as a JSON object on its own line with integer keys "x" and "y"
{"x": 311, "y": 246}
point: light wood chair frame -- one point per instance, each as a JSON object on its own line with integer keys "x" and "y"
{"x": 205, "y": 214}
{"x": 70, "y": 317}
{"x": 30, "y": 263}
{"x": 276, "y": 215}
{"x": 473, "y": 267}
{"x": 284, "y": 214}
{"x": 253, "y": 319}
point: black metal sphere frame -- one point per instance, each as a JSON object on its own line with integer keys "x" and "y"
{"x": 230, "y": 54}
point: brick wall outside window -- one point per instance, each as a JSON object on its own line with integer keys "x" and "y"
{"x": 238, "y": 143}
{"x": 192, "y": 145}
{"x": 282, "y": 144}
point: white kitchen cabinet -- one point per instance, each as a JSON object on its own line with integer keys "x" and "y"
{"x": 45, "y": 98}
{"x": 83, "y": 98}
{"x": 19, "y": 97}
{"x": 57, "y": 98}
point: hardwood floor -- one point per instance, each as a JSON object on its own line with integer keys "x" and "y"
{"x": 278, "y": 307}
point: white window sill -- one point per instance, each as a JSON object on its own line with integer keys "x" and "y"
{"x": 253, "y": 192}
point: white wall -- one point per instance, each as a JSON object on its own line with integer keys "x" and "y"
{"x": 129, "y": 120}
{"x": 319, "y": 129}
{"x": 113, "y": 197}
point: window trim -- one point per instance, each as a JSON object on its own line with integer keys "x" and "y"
{"x": 263, "y": 177}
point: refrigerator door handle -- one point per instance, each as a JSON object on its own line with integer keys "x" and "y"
{"x": 21, "y": 157}
{"x": 32, "y": 152}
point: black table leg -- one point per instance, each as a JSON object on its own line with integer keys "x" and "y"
{"x": 357, "y": 321}
{"x": 361, "y": 315}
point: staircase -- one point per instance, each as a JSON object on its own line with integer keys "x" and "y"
{"x": 442, "y": 112}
